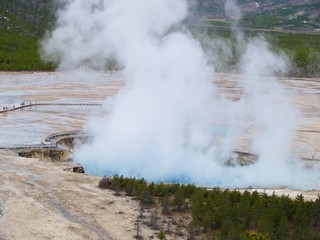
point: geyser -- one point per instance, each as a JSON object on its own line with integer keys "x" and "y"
{"x": 163, "y": 123}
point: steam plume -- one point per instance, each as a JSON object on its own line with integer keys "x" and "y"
{"x": 232, "y": 9}
{"x": 168, "y": 123}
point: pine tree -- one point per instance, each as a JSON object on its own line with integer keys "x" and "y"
{"x": 265, "y": 224}
{"x": 166, "y": 205}
{"x": 179, "y": 199}
{"x": 283, "y": 228}
{"x": 315, "y": 212}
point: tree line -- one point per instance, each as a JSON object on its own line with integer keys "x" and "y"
{"x": 224, "y": 213}
{"x": 303, "y": 50}
{"x": 21, "y": 53}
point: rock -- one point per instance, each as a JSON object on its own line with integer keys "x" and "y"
{"x": 76, "y": 169}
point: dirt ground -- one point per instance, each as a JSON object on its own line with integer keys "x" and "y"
{"x": 38, "y": 200}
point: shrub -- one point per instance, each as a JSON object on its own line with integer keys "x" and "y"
{"x": 161, "y": 235}
{"x": 105, "y": 182}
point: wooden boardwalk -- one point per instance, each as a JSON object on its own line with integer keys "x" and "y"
{"x": 50, "y": 141}
{"x": 6, "y": 110}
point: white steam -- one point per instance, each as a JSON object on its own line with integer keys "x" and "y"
{"x": 232, "y": 9}
{"x": 170, "y": 122}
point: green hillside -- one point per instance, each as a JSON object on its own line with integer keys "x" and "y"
{"x": 294, "y": 15}
{"x": 20, "y": 53}
{"x": 22, "y": 24}
{"x": 29, "y": 18}
{"x": 303, "y": 50}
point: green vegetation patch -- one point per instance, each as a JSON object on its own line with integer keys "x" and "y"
{"x": 302, "y": 49}
{"x": 22, "y": 24}
{"x": 218, "y": 22}
{"x": 227, "y": 214}
{"x": 260, "y": 21}
{"x": 26, "y": 17}
{"x": 20, "y": 53}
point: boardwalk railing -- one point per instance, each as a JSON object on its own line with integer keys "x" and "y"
{"x": 62, "y": 134}
{"x": 5, "y": 109}
{"x": 50, "y": 141}
{"x": 30, "y": 147}
{"x": 56, "y": 137}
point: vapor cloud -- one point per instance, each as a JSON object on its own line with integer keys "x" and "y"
{"x": 232, "y": 9}
{"x": 171, "y": 122}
